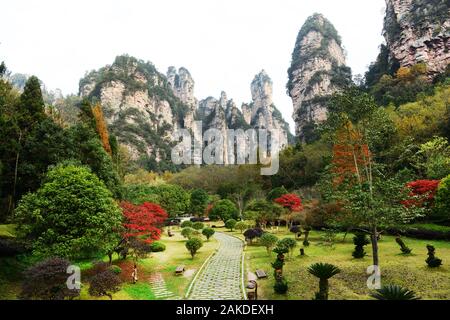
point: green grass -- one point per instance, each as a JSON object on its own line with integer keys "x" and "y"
{"x": 429, "y": 226}
{"x": 409, "y": 271}
{"x": 139, "y": 291}
{"x": 7, "y": 230}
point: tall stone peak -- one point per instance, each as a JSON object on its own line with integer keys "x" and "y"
{"x": 262, "y": 89}
{"x": 182, "y": 85}
{"x": 317, "y": 71}
{"x": 418, "y": 31}
{"x": 261, "y": 113}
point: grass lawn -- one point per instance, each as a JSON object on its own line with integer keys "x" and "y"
{"x": 409, "y": 271}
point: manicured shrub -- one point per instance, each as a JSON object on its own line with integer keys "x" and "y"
{"x": 198, "y": 225}
{"x": 189, "y": 232}
{"x": 241, "y": 226}
{"x": 268, "y": 240}
{"x": 186, "y": 224}
{"x": 252, "y": 234}
{"x": 432, "y": 261}
{"x": 115, "y": 269}
{"x": 193, "y": 245}
{"x": 281, "y": 286}
{"x": 47, "y": 280}
{"x": 208, "y": 232}
{"x": 157, "y": 246}
{"x": 360, "y": 240}
{"x": 104, "y": 284}
{"x": 403, "y": 247}
{"x": 287, "y": 243}
{"x": 230, "y": 224}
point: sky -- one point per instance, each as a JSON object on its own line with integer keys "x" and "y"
{"x": 223, "y": 43}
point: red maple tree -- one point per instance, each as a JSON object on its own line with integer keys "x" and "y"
{"x": 422, "y": 192}
{"x": 291, "y": 202}
{"x": 143, "y": 220}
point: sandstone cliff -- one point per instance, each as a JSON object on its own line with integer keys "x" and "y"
{"x": 418, "y": 31}
{"x": 143, "y": 107}
{"x": 317, "y": 71}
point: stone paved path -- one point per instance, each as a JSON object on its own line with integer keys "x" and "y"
{"x": 159, "y": 288}
{"x": 220, "y": 279}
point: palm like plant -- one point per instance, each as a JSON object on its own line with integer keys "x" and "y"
{"x": 394, "y": 292}
{"x": 323, "y": 271}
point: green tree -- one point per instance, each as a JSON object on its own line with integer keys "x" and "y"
{"x": 241, "y": 226}
{"x": 230, "y": 224}
{"x": 263, "y": 212}
{"x": 268, "y": 240}
{"x": 199, "y": 201}
{"x": 71, "y": 215}
{"x": 224, "y": 210}
{"x": 174, "y": 199}
{"x": 275, "y": 193}
{"x": 193, "y": 245}
{"x": 208, "y": 232}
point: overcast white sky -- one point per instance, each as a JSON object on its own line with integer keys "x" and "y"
{"x": 223, "y": 43}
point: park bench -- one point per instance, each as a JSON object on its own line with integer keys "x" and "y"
{"x": 179, "y": 270}
{"x": 261, "y": 274}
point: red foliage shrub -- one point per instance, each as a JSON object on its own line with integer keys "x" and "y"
{"x": 422, "y": 192}
{"x": 291, "y": 202}
{"x": 144, "y": 220}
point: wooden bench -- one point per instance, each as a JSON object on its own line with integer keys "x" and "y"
{"x": 179, "y": 270}
{"x": 261, "y": 274}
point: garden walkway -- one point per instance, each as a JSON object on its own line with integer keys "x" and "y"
{"x": 221, "y": 278}
{"x": 159, "y": 288}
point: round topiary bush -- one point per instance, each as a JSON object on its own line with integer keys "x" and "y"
{"x": 208, "y": 232}
{"x": 115, "y": 269}
{"x": 189, "y": 232}
{"x": 193, "y": 245}
{"x": 198, "y": 225}
{"x": 186, "y": 224}
{"x": 157, "y": 246}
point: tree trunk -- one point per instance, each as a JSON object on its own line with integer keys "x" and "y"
{"x": 374, "y": 241}
{"x": 323, "y": 289}
{"x": 110, "y": 258}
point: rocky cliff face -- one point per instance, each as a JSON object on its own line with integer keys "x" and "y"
{"x": 317, "y": 71}
{"x": 418, "y": 31}
{"x": 144, "y": 107}
{"x": 262, "y": 113}
{"x": 139, "y": 104}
